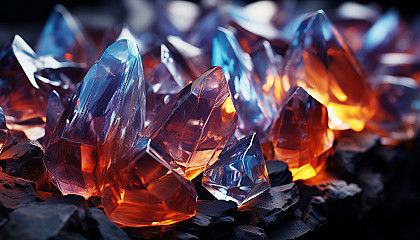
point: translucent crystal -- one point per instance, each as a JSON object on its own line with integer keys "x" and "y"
{"x": 301, "y": 136}
{"x": 54, "y": 110}
{"x": 146, "y": 188}
{"x": 255, "y": 115}
{"x": 4, "y": 132}
{"x": 194, "y": 126}
{"x": 239, "y": 174}
{"x": 63, "y": 38}
{"x": 320, "y": 61}
{"x": 101, "y": 122}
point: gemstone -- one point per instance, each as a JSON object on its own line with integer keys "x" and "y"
{"x": 254, "y": 114}
{"x": 321, "y": 62}
{"x": 266, "y": 65}
{"x": 195, "y": 125}
{"x": 101, "y": 121}
{"x": 301, "y": 137}
{"x": 239, "y": 174}
{"x": 4, "y": 132}
{"x": 54, "y": 110}
{"x": 398, "y": 114}
{"x": 63, "y": 38}
{"x": 164, "y": 76}
{"x": 145, "y": 188}
{"x": 27, "y": 81}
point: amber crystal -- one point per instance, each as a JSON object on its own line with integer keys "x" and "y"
{"x": 321, "y": 62}
{"x": 102, "y": 120}
{"x": 196, "y": 124}
{"x": 301, "y": 136}
{"x": 4, "y": 132}
{"x": 145, "y": 187}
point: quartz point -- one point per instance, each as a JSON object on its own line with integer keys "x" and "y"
{"x": 63, "y": 38}
{"x": 145, "y": 187}
{"x": 26, "y": 82}
{"x": 321, "y": 62}
{"x": 239, "y": 174}
{"x": 301, "y": 137}
{"x": 4, "y": 132}
{"x": 54, "y": 111}
{"x": 195, "y": 125}
{"x": 254, "y": 113}
{"x": 101, "y": 121}
{"x": 164, "y": 79}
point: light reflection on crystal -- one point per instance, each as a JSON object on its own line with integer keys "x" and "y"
{"x": 301, "y": 137}
{"x": 194, "y": 126}
{"x": 102, "y": 121}
{"x": 239, "y": 174}
{"x": 4, "y": 132}
{"x": 320, "y": 61}
{"x": 54, "y": 110}
{"x": 145, "y": 188}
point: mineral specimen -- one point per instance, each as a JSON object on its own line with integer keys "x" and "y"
{"x": 54, "y": 110}
{"x": 239, "y": 174}
{"x": 4, "y": 132}
{"x": 102, "y": 121}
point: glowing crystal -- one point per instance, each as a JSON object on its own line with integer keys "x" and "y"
{"x": 239, "y": 174}
{"x": 301, "y": 137}
{"x": 4, "y": 132}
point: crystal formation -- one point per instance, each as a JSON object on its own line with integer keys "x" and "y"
{"x": 301, "y": 136}
{"x": 239, "y": 174}
{"x": 63, "y": 38}
{"x": 321, "y": 62}
{"x": 145, "y": 187}
{"x": 102, "y": 120}
{"x": 4, "y": 132}
{"x": 197, "y": 123}
{"x": 254, "y": 112}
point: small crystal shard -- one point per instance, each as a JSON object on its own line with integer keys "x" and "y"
{"x": 301, "y": 136}
{"x": 145, "y": 187}
{"x": 63, "y": 38}
{"x": 4, "y": 132}
{"x": 194, "y": 126}
{"x": 255, "y": 114}
{"x": 164, "y": 79}
{"x": 239, "y": 174}
{"x": 320, "y": 61}
{"x": 54, "y": 110}
{"x": 101, "y": 122}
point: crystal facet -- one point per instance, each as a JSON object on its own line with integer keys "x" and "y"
{"x": 54, "y": 110}
{"x": 255, "y": 115}
{"x": 102, "y": 121}
{"x": 239, "y": 174}
{"x": 320, "y": 61}
{"x": 145, "y": 188}
{"x": 63, "y": 38}
{"x": 301, "y": 136}
{"x": 196, "y": 124}
{"x": 4, "y": 132}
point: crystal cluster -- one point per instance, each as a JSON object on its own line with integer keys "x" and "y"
{"x": 216, "y": 82}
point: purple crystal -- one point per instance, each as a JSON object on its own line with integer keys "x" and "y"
{"x": 239, "y": 174}
{"x": 4, "y": 132}
{"x": 54, "y": 110}
{"x": 103, "y": 119}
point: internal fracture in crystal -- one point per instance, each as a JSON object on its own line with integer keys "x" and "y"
{"x": 194, "y": 126}
{"x": 239, "y": 174}
{"x": 101, "y": 121}
{"x": 145, "y": 187}
{"x": 301, "y": 137}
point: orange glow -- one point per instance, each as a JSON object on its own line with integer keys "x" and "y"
{"x": 68, "y": 56}
{"x": 44, "y": 119}
{"x": 268, "y": 83}
{"x": 228, "y": 106}
{"x": 302, "y": 173}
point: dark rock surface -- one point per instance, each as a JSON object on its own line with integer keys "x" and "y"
{"x": 279, "y": 173}
{"x": 216, "y": 208}
{"x": 15, "y": 192}
{"x": 249, "y": 232}
{"x": 102, "y": 228}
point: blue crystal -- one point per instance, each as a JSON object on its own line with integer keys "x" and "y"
{"x": 253, "y": 112}
{"x": 63, "y": 38}
{"x": 239, "y": 174}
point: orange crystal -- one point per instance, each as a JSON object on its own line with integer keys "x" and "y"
{"x": 146, "y": 188}
{"x": 321, "y": 62}
{"x": 301, "y": 136}
{"x": 195, "y": 125}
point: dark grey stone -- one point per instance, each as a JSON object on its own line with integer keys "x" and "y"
{"x": 102, "y": 228}
{"x": 222, "y": 228}
{"x": 290, "y": 228}
{"x": 249, "y": 232}
{"x": 15, "y": 191}
{"x": 279, "y": 173}
{"x": 216, "y": 208}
